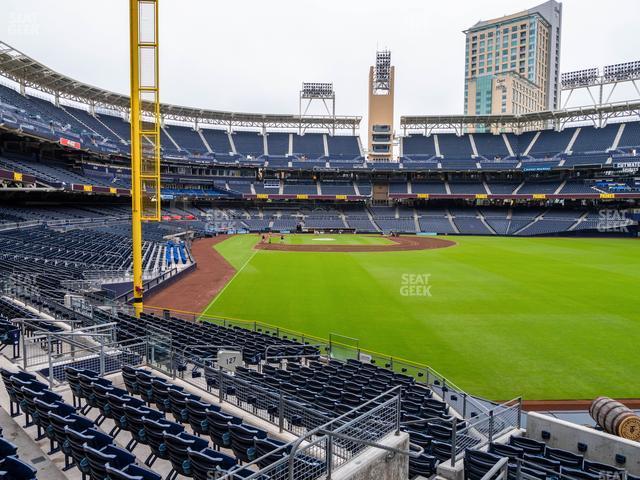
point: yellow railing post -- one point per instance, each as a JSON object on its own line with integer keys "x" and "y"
{"x": 145, "y": 134}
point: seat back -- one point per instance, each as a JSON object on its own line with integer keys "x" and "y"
{"x": 177, "y": 446}
{"x": 131, "y": 472}
{"x": 17, "y": 469}
{"x": 154, "y": 434}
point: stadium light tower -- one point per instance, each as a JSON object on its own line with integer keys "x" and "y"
{"x": 381, "y": 98}
{"x": 318, "y": 91}
{"x": 601, "y": 87}
{"x": 145, "y": 130}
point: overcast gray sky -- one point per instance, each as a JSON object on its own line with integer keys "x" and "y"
{"x": 252, "y": 55}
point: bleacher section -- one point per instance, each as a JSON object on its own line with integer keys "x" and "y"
{"x": 310, "y": 145}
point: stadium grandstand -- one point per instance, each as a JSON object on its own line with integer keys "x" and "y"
{"x": 94, "y": 389}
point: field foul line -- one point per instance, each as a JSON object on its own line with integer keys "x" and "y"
{"x": 230, "y": 281}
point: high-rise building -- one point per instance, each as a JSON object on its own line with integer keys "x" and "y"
{"x": 512, "y": 63}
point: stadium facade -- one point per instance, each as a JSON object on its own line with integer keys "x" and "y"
{"x": 120, "y": 397}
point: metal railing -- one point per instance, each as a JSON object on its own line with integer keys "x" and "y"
{"x": 270, "y": 404}
{"x": 466, "y": 405}
{"x": 499, "y": 471}
{"x": 327, "y": 447}
{"x": 486, "y": 428}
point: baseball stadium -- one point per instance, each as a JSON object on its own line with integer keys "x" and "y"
{"x": 193, "y": 293}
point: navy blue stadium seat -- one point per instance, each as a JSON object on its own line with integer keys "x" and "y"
{"x": 177, "y": 449}
{"x": 477, "y": 463}
{"x": 12, "y": 468}
{"x": 218, "y": 424}
{"x": 528, "y": 445}
{"x": 154, "y": 432}
{"x": 178, "y": 404}
{"x": 207, "y": 462}
{"x": 242, "y": 441}
{"x": 131, "y": 472}
{"x": 98, "y": 460}
{"x": 77, "y": 440}
{"x": 135, "y": 418}
{"x": 566, "y": 458}
{"x": 7, "y": 448}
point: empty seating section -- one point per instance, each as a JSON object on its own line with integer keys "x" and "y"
{"x": 440, "y": 225}
{"x": 277, "y": 143}
{"x": 118, "y": 125}
{"x": 301, "y": 188}
{"x": 630, "y": 137}
{"x": 50, "y": 258}
{"x": 592, "y": 139}
{"x": 459, "y": 164}
{"x": 396, "y": 225}
{"x": 496, "y": 165}
{"x": 467, "y": 187}
{"x": 248, "y": 143}
{"x": 428, "y": 187}
{"x": 520, "y": 143}
{"x": 471, "y": 225}
{"x": 277, "y": 161}
{"x": 187, "y": 138}
{"x": 577, "y": 187}
{"x": 550, "y": 142}
{"x": 343, "y": 148}
{"x": 418, "y": 145}
{"x": 532, "y": 187}
{"x": 218, "y": 141}
{"x": 452, "y": 145}
{"x": 90, "y": 121}
{"x": 490, "y": 146}
{"x": 336, "y": 388}
{"x": 502, "y": 188}
{"x": 398, "y": 186}
{"x": 337, "y": 188}
{"x": 309, "y": 145}
{"x": 153, "y": 425}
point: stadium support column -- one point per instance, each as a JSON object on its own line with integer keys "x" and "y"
{"x": 381, "y": 95}
{"x": 145, "y": 130}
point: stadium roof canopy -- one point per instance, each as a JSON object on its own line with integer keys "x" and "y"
{"x": 30, "y": 73}
{"x": 598, "y": 114}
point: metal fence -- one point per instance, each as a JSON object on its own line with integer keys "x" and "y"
{"x": 486, "y": 428}
{"x": 336, "y": 347}
{"x": 324, "y": 449}
{"x": 272, "y": 405}
{"x": 49, "y": 347}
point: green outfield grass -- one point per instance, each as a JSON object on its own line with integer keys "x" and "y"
{"x": 546, "y": 318}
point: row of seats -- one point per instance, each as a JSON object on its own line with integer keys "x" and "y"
{"x": 584, "y": 139}
{"x": 537, "y": 460}
{"x": 247, "y": 442}
{"x": 254, "y": 344}
{"x": 95, "y": 453}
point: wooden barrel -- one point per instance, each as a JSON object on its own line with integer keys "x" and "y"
{"x": 615, "y": 418}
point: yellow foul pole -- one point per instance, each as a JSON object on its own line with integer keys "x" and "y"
{"x": 145, "y": 130}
